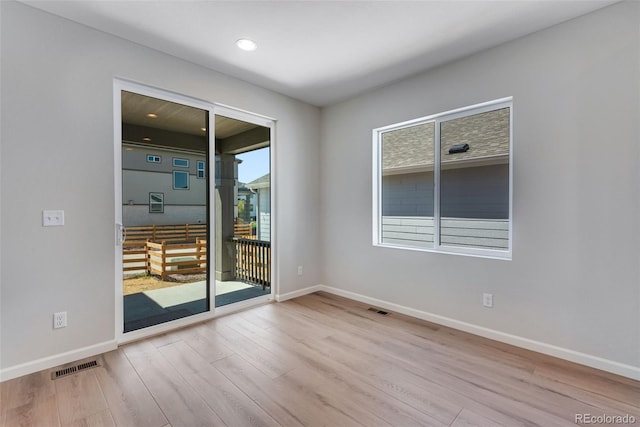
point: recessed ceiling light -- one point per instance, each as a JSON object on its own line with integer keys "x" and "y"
{"x": 146, "y": 139}
{"x": 203, "y": 129}
{"x": 246, "y": 44}
{"x": 152, "y": 116}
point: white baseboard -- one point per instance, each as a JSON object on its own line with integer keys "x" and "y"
{"x": 299, "y": 293}
{"x": 56, "y": 360}
{"x": 628, "y": 371}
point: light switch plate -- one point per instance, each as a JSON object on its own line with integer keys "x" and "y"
{"x": 52, "y": 218}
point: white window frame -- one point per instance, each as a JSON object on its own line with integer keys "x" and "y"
{"x": 201, "y": 167}
{"x": 180, "y": 159}
{"x": 154, "y": 158}
{"x": 437, "y": 119}
{"x": 152, "y": 203}
{"x": 173, "y": 173}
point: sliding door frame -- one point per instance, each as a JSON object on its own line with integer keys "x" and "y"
{"x": 213, "y": 110}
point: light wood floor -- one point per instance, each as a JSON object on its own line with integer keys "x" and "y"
{"x": 319, "y": 360}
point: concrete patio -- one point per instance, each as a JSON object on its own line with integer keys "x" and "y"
{"x": 162, "y": 305}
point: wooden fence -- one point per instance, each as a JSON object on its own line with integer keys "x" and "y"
{"x": 253, "y": 261}
{"x": 175, "y": 254}
{"x": 138, "y": 236}
{"x": 242, "y": 230}
{"x": 183, "y": 258}
{"x": 163, "y": 258}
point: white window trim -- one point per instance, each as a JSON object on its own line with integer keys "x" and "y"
{"x": 153, "y": 158}
{"x": 151, "y": 203}
{"x": 180, "y": 159}
{"x": 437, "y": 118}
{"x": 201, "y": 166}
{"x": 173, "y": 176}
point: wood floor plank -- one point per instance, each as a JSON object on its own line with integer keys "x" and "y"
{"x": 209, "y": 346}
{"x": 233, "y": 406}
{"x": 495, "y": 390}
{"x": 44, "y": 412}
{"x": 360, "y": 401}
{"x": 500, "y": 390}
{"x": 255, "y": 354}
{"x": 416, "y": 389}
{"x": 381, "y": 375}
{"x": 292, "y": 324}
{"x": 491, "y": 397}
{"x": 101, "y": 419}
{"x": 79, "y": 396}
{"x": 467, "y": 418}
{"x": 362, "y": 322}
{"x": 461, "y": 344}
{"x": 265, "y": 338}
{"x": 272, "y": 397}
{"x": 30, "y": 400}
{"x": 128, "y": 398}
{"x": 178, "y": 401}
{"x": 615, "y": 387}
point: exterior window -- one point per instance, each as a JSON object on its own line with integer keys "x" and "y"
{"x": 180, "y": 163}
{"x": 200, "y": 172}
{"x": 180, "y": 180}
{"x": 156, "y": 202}
{"x": 443, "y": 183}
{"x": 153, "y": 158}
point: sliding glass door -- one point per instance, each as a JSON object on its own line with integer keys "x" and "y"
{"x": 243, "y": 210}
{"x": 193, "y": 209}
{"x": 165, "y": 210}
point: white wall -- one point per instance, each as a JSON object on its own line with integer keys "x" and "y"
{"x": 57, "y": 153}
{"x": 574, "y": 279}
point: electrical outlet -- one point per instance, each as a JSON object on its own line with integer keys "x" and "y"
{"x": 299, "y": 270}
{"x": 60, "y": 320}
{"x": 52, "y": 218}
{"x": 487, "y": 300}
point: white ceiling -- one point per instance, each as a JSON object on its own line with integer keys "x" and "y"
{"x": 321, "y": 52}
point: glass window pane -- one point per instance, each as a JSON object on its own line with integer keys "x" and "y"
{"x": 407, "y": 186}
{"x": 474, "y": 180}
{"x": 183, "y": 163}
{"x": 200, "y": 172}
{"x": 180, "y": 180}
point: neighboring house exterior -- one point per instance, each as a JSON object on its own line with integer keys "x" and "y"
{"x": 474, "y": 184}
{"x": 163, "y": 186}
{"x": 168, "y": 186}
{"x": 262, "y": 186}
{"x": 250, "y": 199}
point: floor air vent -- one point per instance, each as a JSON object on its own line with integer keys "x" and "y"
{"x": 74, "y": 368}
{"x": 375, "y": 310}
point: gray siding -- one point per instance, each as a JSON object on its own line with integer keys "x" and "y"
{"x": 135, "y": 158}
{"x": 407, "y": 195}
{"x": 408, "y": 231}
{"x": 418, "y": 232}
{"x": 134, "y": 215}
{"x": 479, "y": 192}
{"x": 264, "y": 220}
{"x": 475, "y": 192}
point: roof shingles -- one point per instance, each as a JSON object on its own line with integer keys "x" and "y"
{"x": 486, "y": 133}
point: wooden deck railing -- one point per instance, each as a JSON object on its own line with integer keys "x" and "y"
{"x": 253, "y": 261}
